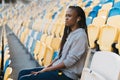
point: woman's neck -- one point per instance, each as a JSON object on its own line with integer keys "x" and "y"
{"x": 74, "y": 27}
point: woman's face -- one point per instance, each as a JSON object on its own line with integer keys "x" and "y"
{"x": 71, "y": 17}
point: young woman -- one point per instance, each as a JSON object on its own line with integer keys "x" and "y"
{"x": 73, "y": 51}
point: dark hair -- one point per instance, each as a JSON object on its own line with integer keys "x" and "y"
{"x": 81, "y": 23}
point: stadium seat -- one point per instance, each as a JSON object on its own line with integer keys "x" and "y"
{"x": 20, "y": 32}
{"x": 99, "y": 21}
{"x": 117, "y": 4}
{"x": 36, "y": 50}
{"x": 106, "y": 44}
{"x": 55, "y": 46}
{"x": 93, "y": 34}
{"x": 48, "y": 56}
{"x": 89, "y": 20}
{"x": 48, "y": 40}
{"x": 107, "y": 6}
{"x": 96, "y": 8}
{"x": 27, "y": 41}
{"x": 118, "y": 44}
{"x": 33, "y": 47}
{"x": 43, "y": 38}
{"x": 7, "y": 73}
{"x": 87, "y": 10}
{"x": 62, "y": 30}
{"x": 6, "y": 58}
{"x": 41, "y": 54}
{"x": 106, "y": 1}
{"x": 37, "y": 35}
{"x": 103, "y": 12}
{"x": 7, "y": 63}
{"x": 114, "y": 21}
{"x": 58, "y": 29}
{"x": 30, "y": 44}
{"x": 93, "y": 14}
{"x": 114, "y": 12}
{"x": 88, "y": 4}
{"x": 91, "y": 75}
{"x": 103, "y": 66}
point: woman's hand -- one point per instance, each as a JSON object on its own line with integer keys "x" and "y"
{"x": 35, "y": 73}
{"x": 43, "y": 70}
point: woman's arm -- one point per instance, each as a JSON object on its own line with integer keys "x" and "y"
{"x": 52, "y": 62}
{"x": 51, "y": 68}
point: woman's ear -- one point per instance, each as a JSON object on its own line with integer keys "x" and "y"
{"x": 78, "y": 19}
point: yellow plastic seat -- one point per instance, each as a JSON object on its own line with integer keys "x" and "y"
{"x": 114, "y": 21}
{"x": 99, "y": 21}
{"x": 103, "y": 12}
{"x": 87, "y": 10}
{"x": 7, "y": 73}
{"x": 6, "y": 57}
{"x": 108, "y": 36}
{"x": 36, "y": 51}
{"x": 107, "y": 6}
{"x": 41, "y": 54}
{"x": 49, "y": 40}
{"x": 22, "y": 37}
{"x": 58, "y": 29}
{"x": 118, "y": 44}
{"x": 62, "y": 30}
{"x": 93, "y": 34}
{"x": 43, "y": 38}
{"x": 48, "y": 56}
{"x": 56, "y": 43}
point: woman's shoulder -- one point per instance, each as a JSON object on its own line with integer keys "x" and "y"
{"x": 79, "y": 34}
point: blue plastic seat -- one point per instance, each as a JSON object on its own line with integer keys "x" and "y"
{"x": 55, "y": 54}
{"x": 27, "y": 42}
{"x": 7, "y": 63}
{"x": 96, "y": 8}
{"x": 89, "y": 20}
{"x": 93, "y": 14}
{"x": 88, "y": 3}
{"x": 114, "y": 11}
{"x": 117, "y": 5}
{"x": 32, "y": 33}
{"x": 37, "y": 35}
{"x": 33, "y": 47}
{"x": 106, "y": 1}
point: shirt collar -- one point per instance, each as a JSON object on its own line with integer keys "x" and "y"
{"x": 76, "y": 31}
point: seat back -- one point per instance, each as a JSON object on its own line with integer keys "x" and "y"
{"x": 107, "y": 6}
{"x": 88, "y": 74}
{"x": 114, "y": 21}
{"x": 118, "y": 44}
{"x": 93, "y": 34}
{"x": 114, "y": 11}
{"x": 56, "y": 43}
{"x": 102, "y": 12}
{"x": 106, "y": 44}
{"x": 49, "y": 40}
{"x": 117, "y": 4}
{"x": 89, "y": 20}
{"x": 99, "y": 21}
{"x": 42, "y": 52}
{"x": 36, "y": 50}
{"x": 106, "y": 64}
{"x": 48, "y": 56}
{"x": 7, "y": 73}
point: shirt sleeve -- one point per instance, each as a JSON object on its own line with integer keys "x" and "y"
{"x": 77, "y": 49}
